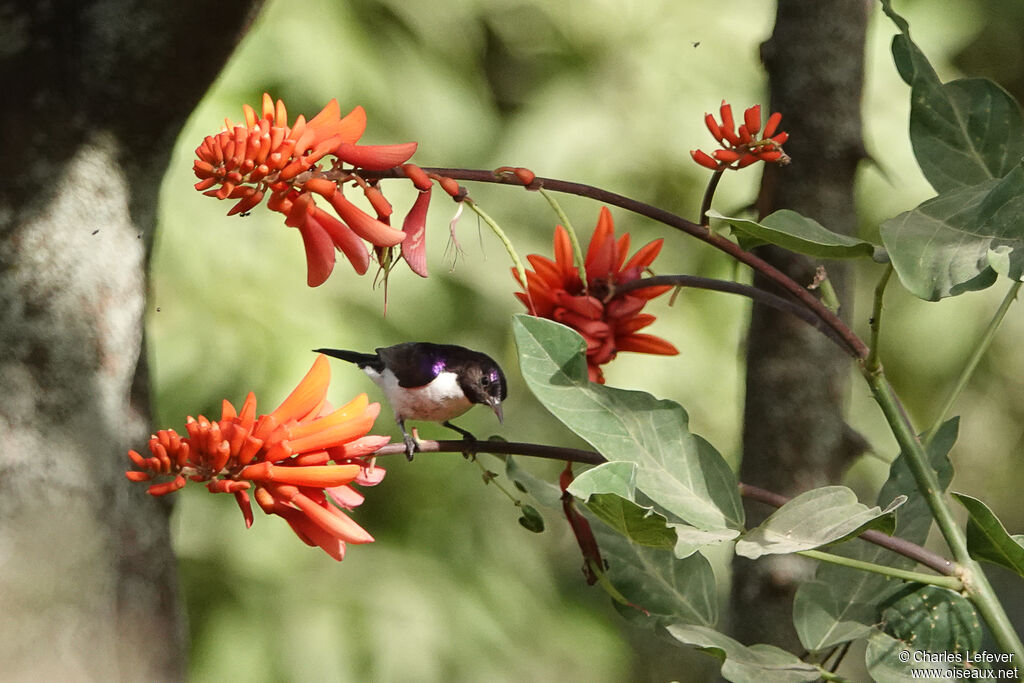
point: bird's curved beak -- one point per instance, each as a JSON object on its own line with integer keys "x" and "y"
{"x": 496, "y": 407}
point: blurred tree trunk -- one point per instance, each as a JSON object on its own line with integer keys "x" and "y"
{"x": 95, "y": 94}
{"x": 794, "y": 436}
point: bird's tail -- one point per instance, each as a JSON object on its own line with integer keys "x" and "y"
{"x": 361, "y": 359}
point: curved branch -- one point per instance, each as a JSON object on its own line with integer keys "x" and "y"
{"x": 760, "y": 295}
{"x": 897, "y": 545}
{"x": 856, "y": 347}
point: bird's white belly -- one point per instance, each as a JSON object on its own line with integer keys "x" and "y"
{"x": 438, "y": 401}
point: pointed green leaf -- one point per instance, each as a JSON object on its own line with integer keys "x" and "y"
{"x": 742, "y": 664}
{"x": 609, "y": 492}
{"x": 797, "y": 233}
{"x": 813, "y": 519}
{"x": 963, "y": 132}
{"x": 933, "y": 619}
{"x": 610, "y": 477}
{"x": 670, "y": 590}
{"x": 680, "y": 472}
{"x": 824, "y": 616}
{"x": 987, "y": 538}
{"x": 826, "y": 611}
{"x": 638, "y": 524}
{"x": 958, "y": 241}
{"x": 690, "y": 539}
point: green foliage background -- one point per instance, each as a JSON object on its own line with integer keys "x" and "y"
{"x": 611, "y": 94}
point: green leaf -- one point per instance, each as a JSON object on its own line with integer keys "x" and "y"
{"x": 531, "y": 519}
{"x": 690, "y": 539}
{"x": 609, "y": 492}
{"x": 963, "y": 132}
{"x": 742, "y": 664}
{"x": 797, "y": 233}
{"x": 890, "y": 660}
{"x": 987, "y": 538}
{"x": 958, "y": 241}
{"x": 670, "y": 590}
{"x": 933, "y": 619}
{"x": 825, "y": 616}
{"x": 828, "y": 610}
{"x": 610, "y": 477}
{"x": 813, "y": 519}
{"x": 680, "y": 472}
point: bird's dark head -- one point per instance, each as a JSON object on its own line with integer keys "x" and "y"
{"x": 482, "y": 380}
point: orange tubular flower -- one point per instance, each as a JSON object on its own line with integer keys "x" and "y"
{"x": 742, "y": 146}
{"x": 297, "y": 460}
{"x": 608, "y": 321}
{"x": 265, "y": 156}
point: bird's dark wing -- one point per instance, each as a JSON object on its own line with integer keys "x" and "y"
{"x": 415, "y": 364}
{"x": 363, "y": 360}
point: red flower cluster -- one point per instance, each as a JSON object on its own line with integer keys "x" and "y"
{"x": 284, "y": 456}
{"x": 607, "y": 320}
{"x": 741, "y": 147}
{"x": 266, "y": 155}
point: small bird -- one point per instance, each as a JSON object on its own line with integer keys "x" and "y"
{"x": 431, "y": 382}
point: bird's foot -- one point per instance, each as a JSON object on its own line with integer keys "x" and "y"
{"x": 466, "y": 436}
{"x": 412, "y": 443}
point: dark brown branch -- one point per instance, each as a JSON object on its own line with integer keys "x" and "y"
{"x": 855, "y": 346}
{"x": 757, "y": 294}
{"x": 893, "y": 543}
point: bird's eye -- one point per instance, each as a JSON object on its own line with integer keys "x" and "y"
{"x": 486, "y": 380}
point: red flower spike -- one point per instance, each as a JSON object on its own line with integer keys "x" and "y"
{"x": 451, "y": 186}
{"x": 344, "y": 239}
{"x": 242, "y": 498}
{"x": 728, "y": 127}
{"x": 370, "y": 229}
{"x": 321, "y": 186}
{"x": 713, "y": 127}
{"x": 752, "y": 119}
{"x": 418, "y": 176}
{"x": 375, "y": 157}
{"x": 264, "y": 155}
{"x": 414, "y": 246}
{"x": 704, "y": 160}
{"x": 607, "y": 321}
{"x": 320, "y": 251}
{"x": 744, "y": 147}
{"x": 379, "y": 202}
{"x": 297, "y": 487}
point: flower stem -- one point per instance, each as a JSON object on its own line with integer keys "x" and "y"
{"x": 972, "y": 363}
{"x": 709, "y": 195}
{"x": 873, "y": 363}
{"x": 950, "y": 582}
{"x": 506, "y": 242}
{"x": 976, "y": 584}
{"x": 563, "y": 218}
